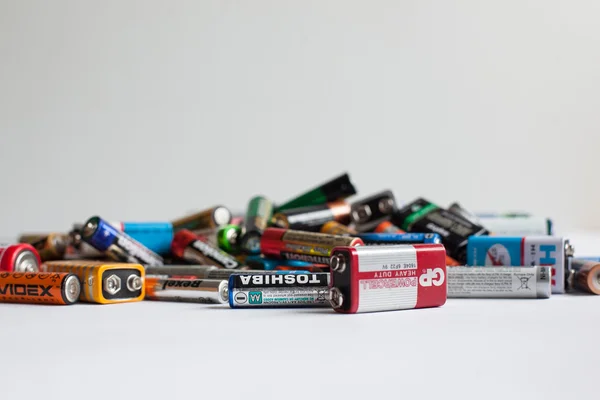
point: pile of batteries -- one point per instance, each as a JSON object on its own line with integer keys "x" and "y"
{"x": 316, "y": 250}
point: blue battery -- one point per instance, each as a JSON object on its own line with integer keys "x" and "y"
{"x": 269, "y": 264}
{"x": 157, "y": 236}
{"x": 399, "y": 238}
{"x": 104, "y": 235}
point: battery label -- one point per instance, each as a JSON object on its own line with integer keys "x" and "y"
{"x": 491, "y": 282}
{"x": 280, "y": 297}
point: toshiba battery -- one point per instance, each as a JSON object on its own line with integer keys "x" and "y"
{"x": 385, "y": 278}
{"x": 549, "y": 251}
{"x": 279, "y": 290}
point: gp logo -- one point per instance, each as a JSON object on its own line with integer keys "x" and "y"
{"x": 433, "y": 277}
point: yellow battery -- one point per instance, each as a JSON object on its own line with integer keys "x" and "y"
{"x": 102, "y": 282}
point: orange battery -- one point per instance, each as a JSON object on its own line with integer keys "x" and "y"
{"x": 39, "y": 288}
{"x": 387, "y": 227}
{"x": 335, "y": 228}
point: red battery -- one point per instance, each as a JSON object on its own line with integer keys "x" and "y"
{"x": 20, "y": 257}
{"x": 198, "y": 249}
{"x": 385, "y": 278}
{"x": 304, "y": 246}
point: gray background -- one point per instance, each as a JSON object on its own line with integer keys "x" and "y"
{"x": 139, "y": 110}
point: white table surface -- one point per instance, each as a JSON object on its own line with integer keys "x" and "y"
{"x": 467, "y": 349}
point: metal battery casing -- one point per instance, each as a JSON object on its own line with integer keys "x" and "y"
{"x": 187, "y": 290}
{"x": 210, "y": 218}
{"x": 19, "y": 257}
{"x": 279, "y": 290}
{"x": 499, "y": 282}
{"x": 95, "y": 276}
{"x": 39, "y": 288}
{"x": 371, "y": 239}
{"x": 549, "y": 251}
{"x": 312, "y": 218}
{"x": 384, "y": 278}
{"x": 585, "y": 276}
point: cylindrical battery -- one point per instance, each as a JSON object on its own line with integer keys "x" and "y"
{"x": 228, "y": 238}
{"x": 258, "y": 215}
{"x": 399, "y": 238}
{"x": 51, "y": 246}
{"x": 268, "y": 264}
{"x": 279, "y": 290}
{"x": 156, "y": 236}
{"x": 19, "y": 257}
{"x": 500, "y": 282}
{"x": 586, "y": 276}
{"x": 211, "y": 218}
{"x": 39, "y": 288}
{"x": 196, "y": 249}
{"x": 336, "y": 189}
{"x": 187, "y": 290}
{"x": 198, "y": 271}
{"x": 116, "y": 244}
{"x": 77, "y": 248}
{"x": 387, "y": 227}
{"x": 304, "y": 246}
{"x": 335, "y": 228}
{"x": 312, "y": 218}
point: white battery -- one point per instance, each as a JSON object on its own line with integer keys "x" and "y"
{"x": 500, "y": 282}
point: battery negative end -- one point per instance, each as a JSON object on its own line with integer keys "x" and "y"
{"x": 336, "y": 298}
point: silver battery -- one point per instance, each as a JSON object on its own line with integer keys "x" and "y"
{"x": 198, "y": 271}
{"x": 187, "y": 290}
{"x": 499, "y": 282}
{"x": 517, "y": 226}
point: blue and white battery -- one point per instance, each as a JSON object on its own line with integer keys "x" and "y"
{"x": 157, "y": 236}
{"x": 555, "y": 252}
{"x": 399, "y": 238}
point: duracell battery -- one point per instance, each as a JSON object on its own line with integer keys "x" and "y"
{"x": 585, "y": 276}
{"x": 312, "y": 218}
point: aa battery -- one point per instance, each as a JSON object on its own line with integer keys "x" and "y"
{"x": 50, "y": 246}
{"x": 399, "y": 238}
{"x": 387, "y": 227}
{"x": 549, "y": 251}
{"x": 196, "y": 249}
{"x": 212, "y": 218}
{"x": 312, "y": 218}
{"x": 335, "y": 228}
{"x": 500, "y": 282}
{"x": 269, "y": 264}
{"x": 39, "y": 288}
{"x": 423, "y": 216}
{"x": 278, "y": 290}
{"x": 385, "y": 278}
{"x": 338, "y": 188}
{"x": 19, "y": 257}
{"x": 304, "y": 246}
{"x": 187, "y": 290}
{"x": 78, "y": 248}
{"x": 104, "y": 283}
{"x": 258, "y": 215}
{"x": 156, "y": 236}
{"x": 586, "y": 276}
{"x": 116, "y": 244}
{"x": 370, "y": 212}
{"x": 228, "y": 238}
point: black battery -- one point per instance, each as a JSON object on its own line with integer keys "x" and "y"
{"x": 423, "y": 216}
{"x": 367, "y": 213}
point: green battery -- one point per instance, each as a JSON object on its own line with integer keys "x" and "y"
{"x": 338, "y": 188}
{"x": 258, "y": 215}
{"x": 228, "y": 238}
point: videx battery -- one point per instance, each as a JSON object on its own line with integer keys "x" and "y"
{"x": 303, "y": 246}
{"x": 549, "y": 251}
{"x": 19, "y": 257}
{"x": 384, "y": 278}
{"x": 425, "y": 217}
{"x": 187, "y": 290}
{"x": 367, "y": 213}
{"x": 278, "y": 290}
{"x": 116, "y": 244}
{"x": 371, "y": 239}
{"x": 39, "y": 288}
{"x": 500, "y": 282}
{"x": 104, "y": 283}
{"x": 338, "y": 188}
